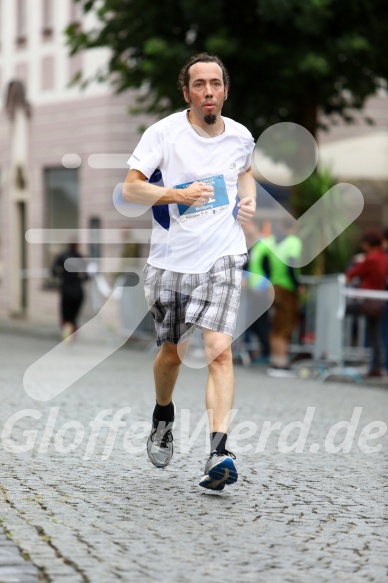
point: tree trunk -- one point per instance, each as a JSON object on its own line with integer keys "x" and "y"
{"x": 308, "y": 113}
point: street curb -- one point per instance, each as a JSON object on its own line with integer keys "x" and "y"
{"x": 31, "y": 329}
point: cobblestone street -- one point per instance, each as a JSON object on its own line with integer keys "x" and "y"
{"x": 101, "y": 516}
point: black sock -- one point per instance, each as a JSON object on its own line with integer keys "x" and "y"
{"x": 164, "y": 412}
{"x": 218, "y": 441}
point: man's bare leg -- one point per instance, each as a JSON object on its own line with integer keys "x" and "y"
{"x": 220, "y": 469}
{"x": 220, "y": 383}
{"x": 160, "y": 441}
{"x": 166, "y": 370}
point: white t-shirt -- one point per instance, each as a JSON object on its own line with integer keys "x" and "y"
{"x": 188, "y": 239}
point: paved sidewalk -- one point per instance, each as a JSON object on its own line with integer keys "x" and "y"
{"x": 292, "y": 517}
{"x": 14, "y": 568}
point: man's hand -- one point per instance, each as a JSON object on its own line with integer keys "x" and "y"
{"x": 247, "y": 194}
{"x": 136, "y": 189}
{"x": 247, "y": 207}
{"x": 197, "y": 194}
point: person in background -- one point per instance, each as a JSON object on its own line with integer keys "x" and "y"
{"x": 372, "y": 274}
{"x": 284, "y": 250}
{"x": 384, "y": 326}
{"x": 71, "y": 289}
{"x": 256, "y": 285}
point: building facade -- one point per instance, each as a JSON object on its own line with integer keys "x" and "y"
{"x": 50, "y": 133}
{"x": 63, "y": 153}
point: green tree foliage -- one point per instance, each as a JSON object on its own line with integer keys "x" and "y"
{"x": 288, "y": 59}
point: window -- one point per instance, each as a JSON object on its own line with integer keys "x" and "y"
{"x": 1, "y": 21}
{"x": 75, "y": 66}
{"x": 21, "y": 74}
{"x": 1, "y": 228}
{"x": 48, "y": 70}
{"x": 21, "y": 22}
{"x": 47, "y": 19}
{"x": 94, "y": 237}
{"x": 62, "y": 204}
{"x": 75, "y": 12}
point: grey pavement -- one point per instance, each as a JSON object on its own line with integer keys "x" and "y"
{"x": 74, "y": 513}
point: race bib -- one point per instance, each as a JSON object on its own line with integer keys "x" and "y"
{"x": 219, "y": 202}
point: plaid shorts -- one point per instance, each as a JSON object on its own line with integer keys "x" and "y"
{"x": 180, "y": 301}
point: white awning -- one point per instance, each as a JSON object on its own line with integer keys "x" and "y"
{"x": 360, "y": 158}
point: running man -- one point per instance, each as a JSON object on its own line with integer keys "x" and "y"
{"x": 194, "y": 270}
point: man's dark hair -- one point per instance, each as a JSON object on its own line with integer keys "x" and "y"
{"x": 184, "y": 75}
{"x": 373, "y": 237}
{"x": 385, "y": 233}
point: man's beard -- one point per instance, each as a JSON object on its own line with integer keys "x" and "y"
{"x": 210, "y": 118}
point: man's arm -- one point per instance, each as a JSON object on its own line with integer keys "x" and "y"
{"x": 136, "y": 189}
{"x": 247, "y": 194}
{"x": 57, "y": 267}
{"x": 361, "y": 269}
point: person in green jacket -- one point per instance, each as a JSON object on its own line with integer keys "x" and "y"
{"x": 284, "y": 250}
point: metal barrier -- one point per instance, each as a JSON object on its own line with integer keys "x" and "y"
{"x": 341, "y": 336}
{"x": 334, "y": 339}
{"x": 325, "y": 333}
